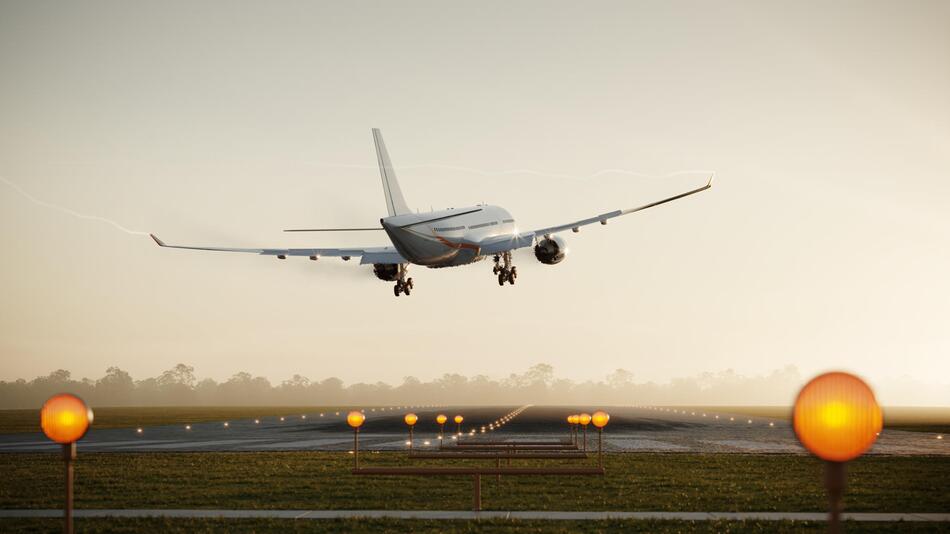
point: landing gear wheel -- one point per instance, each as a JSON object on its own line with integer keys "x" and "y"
{"x": 511, "y": 278}
{"x": 396, "y": 290}
{"x": 409, "y": 285}
{"x": 501, "y": 279}
{"x": 514, "y": 274}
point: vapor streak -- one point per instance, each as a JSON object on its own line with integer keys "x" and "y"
{"x": 68, "y": 211}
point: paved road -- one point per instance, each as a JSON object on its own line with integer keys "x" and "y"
{"x": 452, "y": 514}
{"x": 630, "y": 429}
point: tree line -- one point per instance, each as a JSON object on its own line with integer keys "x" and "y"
{"x": 179, "y": 386}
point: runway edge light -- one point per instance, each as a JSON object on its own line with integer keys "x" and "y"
{"x": 837, "y": 418}
{"x": 65, "y": 418}
{"x": 355, "y": 419}
{"x": 599, "y": 419}
{"x": 410, "y": 420}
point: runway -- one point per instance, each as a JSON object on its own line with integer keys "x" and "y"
{"x": 631, "y": 429}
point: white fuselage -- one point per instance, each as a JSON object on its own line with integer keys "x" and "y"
{"x": 445, "y": 238}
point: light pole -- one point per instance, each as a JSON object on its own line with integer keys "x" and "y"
{"x": 584, "y": 420}
{"x": 410, "y": 420}
{"x": 600, "y": 419}
{"x": 65, "y": 419}
{"x": 837, "y": 418}
{"x": 441, "y": 419}
{"x": 458, "y": 421}
{"x": 355, "y": 419}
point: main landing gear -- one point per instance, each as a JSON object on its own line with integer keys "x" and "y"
{"x": 403, "y": 284}
{"x": 504, "y": 269}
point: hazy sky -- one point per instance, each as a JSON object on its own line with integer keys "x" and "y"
{"x": 824, "y": 243}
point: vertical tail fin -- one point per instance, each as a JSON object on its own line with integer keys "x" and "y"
{"x": 395, "y": 203}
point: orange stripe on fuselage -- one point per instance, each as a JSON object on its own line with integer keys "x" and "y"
{"x": 450, "y": 244}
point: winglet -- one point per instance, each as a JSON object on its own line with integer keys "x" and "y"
{"x": 158, "y": 241}
{"x": 709, "y": 183}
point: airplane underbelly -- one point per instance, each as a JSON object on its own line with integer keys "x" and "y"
{"x": 432, "y": 251}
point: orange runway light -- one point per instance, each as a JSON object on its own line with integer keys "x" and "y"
{"x": 411, "y": 419}
{"x": 459, "y": 419}
{"x": 583, "y": 419}
{"x": 836, "y": 417}
{"x": 355, "y": 419}
{"x": 600, "y": 418}
{"x": 65, "y": 418}
{"x": 441, "y": 419}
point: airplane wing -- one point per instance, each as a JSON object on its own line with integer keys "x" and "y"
{"x": 603, "y": 217}
{"x": 526, "y": 239}
{"x": 366, "y": 255}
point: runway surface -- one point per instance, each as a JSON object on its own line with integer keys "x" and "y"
{"x": 631, "y": 429}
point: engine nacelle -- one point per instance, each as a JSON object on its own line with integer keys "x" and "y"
{"x": 551, "y": 250}
{"x": 388, "y": 272}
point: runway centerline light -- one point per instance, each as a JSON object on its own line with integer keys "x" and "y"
{"x": 600, "y": 418}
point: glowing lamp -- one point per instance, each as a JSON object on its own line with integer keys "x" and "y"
{"x": 600, "y": 419}
{"x": 459, "y": 419}
{"x": 355, "y": 419}
{"x": 584, "y": 419}
{"x": 441, "y": 419}
{"x": 65, "y": 418}
{"x": 411, "y": 419}
{"x": 836, "y": 417}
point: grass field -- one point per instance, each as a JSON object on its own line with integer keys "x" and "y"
{"x": 321, "y": 480}
{"x": 450, "y": 527}
{"x": 13, "y": 421}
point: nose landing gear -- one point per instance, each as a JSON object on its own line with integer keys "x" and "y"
{"x": 503, "y": 268}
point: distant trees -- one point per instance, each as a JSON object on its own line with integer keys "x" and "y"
{"x": 538, "y": 384}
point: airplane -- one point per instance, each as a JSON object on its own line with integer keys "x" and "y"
{"x": 446, "y": 238}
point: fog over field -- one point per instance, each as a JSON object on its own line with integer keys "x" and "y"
{"x": 540, "y": 384}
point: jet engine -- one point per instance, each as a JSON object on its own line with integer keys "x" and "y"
{"x": 551, "y": 250}
{"x": 388, "y": 272}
